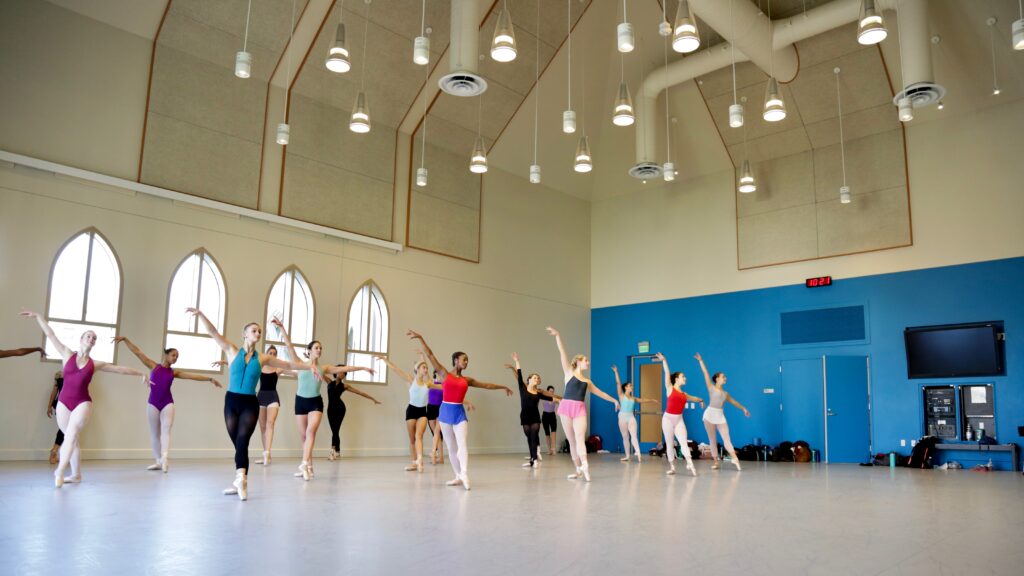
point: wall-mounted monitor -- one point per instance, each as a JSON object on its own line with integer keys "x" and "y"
{"x": 955, "y": 350}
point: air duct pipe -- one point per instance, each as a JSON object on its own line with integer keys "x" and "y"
{"x": 463, "y": 52}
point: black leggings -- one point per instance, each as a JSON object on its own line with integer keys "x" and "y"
{"x": 335, "y": 416}
{"x": 241, "y": 414}
{"x": 59, "y": 440}
{"x": 532, "y": 432}
{"x": 550, "y": 422}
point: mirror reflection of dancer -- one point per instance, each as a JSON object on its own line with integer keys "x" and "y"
{"x": 627, "y": 418}
{"x": 549, "y": 421}
{"x": 672, "y": 420}
{"x": 572, "y": 410}
{"x": 416, "y": 416}
{"x": 454, "y": 424}
{"x": 336, "y": 407}
{"x": 529, "y": 416}
{"x": 714, "y": 415}
{"x": 51, "y": 409}
{"x": 74, "y": 405}
{"x": 241, "y": 408}
{"x": 160, "y": 407}
{"x": 309, "y": 404}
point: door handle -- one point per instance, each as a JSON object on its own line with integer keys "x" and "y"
{"x": 829, "y": 412}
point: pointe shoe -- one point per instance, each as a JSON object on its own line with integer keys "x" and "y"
{"x": 229, "y": 491}
{"x": 716, "y": 465}
{"x": 693, "y": 471}
{"x": 266, "y": 458}
{"x": 155, "y": 466}
{"x": 433, "y": 456}
{"x": 305, "y": 472}
{"x": 465, "y": 482}
{"x": 73, "y": 479}
{"x": 527, "y": 464}
{"x": 241, "y": 485}
{"x": 540, "y": 456}
{"x": 586, "y": 473}
{"x": 165, "y": 465}
{"x": 454, "y": 482}
{"x": 54, "y": 457}
{"x": 58, "y": 480}
{"x": 639, "y": 458}
{"x": 671, "y": 471}
{"x": 624, "y": 459}
{"x": 736, "y": 463}
{"x": 413, "y": 466}
{"x": 575, "y": 475}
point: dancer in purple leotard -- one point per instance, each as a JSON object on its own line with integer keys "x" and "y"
{"x": 74, "y": 405}
{"x": 160, "y": 408}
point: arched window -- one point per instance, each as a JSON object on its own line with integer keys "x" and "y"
{"x": 368, "y": 332}
{"x": 85, "y": 294}
{"x": 291, "y": 300}
{"x": 197, "y": 283}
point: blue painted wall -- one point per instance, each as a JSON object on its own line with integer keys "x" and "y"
{"x": 739, "y": 333}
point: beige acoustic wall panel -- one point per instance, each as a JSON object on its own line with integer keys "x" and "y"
{"x": 444, "y": 216}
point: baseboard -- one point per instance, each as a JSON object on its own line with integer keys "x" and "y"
{"x": 13, "y": 455}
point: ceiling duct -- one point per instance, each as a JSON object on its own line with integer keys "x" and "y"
{"x": 463, "y": 54}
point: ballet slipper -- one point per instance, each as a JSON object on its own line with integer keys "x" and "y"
{"x": 454, "y": 482}
{"x": 716, "y": 465}
{"x": 54, "y": 456}
{"x": 671, "y": 471}
{"x": 693, "y": 471}
{"x": 155, "y": 466}
{"x": 586, "y": 473}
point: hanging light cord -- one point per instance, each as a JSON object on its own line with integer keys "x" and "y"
{"x": 624, "y": 17}
{"x": 480, "y": 116}
{"x": 423, "y": 20}
{"x": 668, "y": 136}
{"x": 732, "y": 48}
{"x": 583, "y": 99}
{"x": 288, "y": 66}
{"x": 366, "y": 34}
{"x": 899, "y": 44}
{"x": 245, "y": 40}
{"x": 992, "y": 37}
{"x": 771, "y": 41}
{"x": 423, "y": 144}
{"x": 536, "y": 87}
{"x": 568, "y": 20}
{"x": 842, "y": 141}
{"x": 341, "y": 11}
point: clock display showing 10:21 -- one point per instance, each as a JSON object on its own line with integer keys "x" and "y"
{"x": 818, "y": 282}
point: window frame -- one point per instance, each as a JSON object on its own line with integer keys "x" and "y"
{"x": 92, "y": 231}
{"x": 201, "y": 251}
{"x": 379, "y": 366}
{"x": 279, "y": 344}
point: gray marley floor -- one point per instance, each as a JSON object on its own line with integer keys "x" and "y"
{"x": 367, "y": 516}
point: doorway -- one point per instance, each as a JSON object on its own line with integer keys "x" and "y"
{"x": 646, "y": 376}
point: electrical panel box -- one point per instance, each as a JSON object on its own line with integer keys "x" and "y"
{"x": 941, "y": 418}
{"x": 977, "y": 403}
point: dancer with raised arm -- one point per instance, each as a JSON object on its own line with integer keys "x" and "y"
{"x": 241, "y": 408}
{"x": 51, "y": 409}
{"x": 336, "y": 407}
{"x": 434, "y": 399}
{"x": 74, "y": 405}
{"x": 160, "y": 407}
{"x": 270, "y": 404}
{"x": 309, "y": 404}
{"x": 454, "y": 424}
{"x": 714, "y": 415}
{"x": 420, "y": 385}
{"x": 529, "y": 414}
{"x": 572, "y": 410}
{"x": 22, "y": 352}
{"x": 672, "y": 420}
{"x": 627, "y": 418}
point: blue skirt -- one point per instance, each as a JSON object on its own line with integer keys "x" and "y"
{"x": 452, "y": 414}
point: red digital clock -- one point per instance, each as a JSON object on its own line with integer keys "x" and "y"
{"x": 818, "y": 282}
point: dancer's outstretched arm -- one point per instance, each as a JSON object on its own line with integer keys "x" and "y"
{"x": 704, "y": 369}
{"x": 146, "y": 360}
{"x": 666, "y": 372}
{"x": 488, "y": 386}
{"x": 618, "y": 381}
{"x": 566, "y": 366}
{"x": 197, "y": 377}
{"x": 229, "y": 349}
{"x": 336, "y": 370}
{"x": 601, "y": 393}
{"x": 22, "y": 352}
{"x": 401, "y": 373}
{"x": 737, "y": 404}
{"x": 359, "y": 392}
{"x": 65, "y": 352}
{"x": 430, "y": 353}
{"x": 285, "y": 337}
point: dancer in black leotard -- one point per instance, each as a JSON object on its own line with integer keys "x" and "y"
{"x": 336, "y": 409}
{"x": 529, "y": 415}
{"x": 58, "y": 383}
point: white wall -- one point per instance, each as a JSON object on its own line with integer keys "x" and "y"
{"x": 534, "y": 268}
{"x": 680, "y": 241}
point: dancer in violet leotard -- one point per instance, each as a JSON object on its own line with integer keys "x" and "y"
{"x": 74, "y": 405}
{"x": 160, "y": 408}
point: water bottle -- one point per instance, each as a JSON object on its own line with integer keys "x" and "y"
{"x": 892, "y": 459}
{"x": 970, "y": 433}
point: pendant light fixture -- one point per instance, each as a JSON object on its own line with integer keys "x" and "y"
{"x": 535, "y": 168}
{"x": 735, "y": 109}
{"x": 503, "y": 45}
{"x": 568, "y": 115}
{"x": 992, "y": 37}
{"x": 243, "y": 59}
{"x": 421, "y": 45}
{"x": 844, "y": 190}
{"x": 871, "y": 27}
{"x": 1018, "y": 27}
{"x": 583, "y": 162}
{"x": 664, "y": 27}
{"x": 421, "y": 172}
{"x": 746, "y": 183}
{"x": 337, "y": 54}
{"x": 478, "y": 160}
{"x": 685, "y": 37}
{"x": 669, "y": 169}
{"x": 624, "y": 33}
{"x": 283, "y": 131}
{"x": 774, "y": 105}
{"x": 622, "y": 112}
{"x": 360, "y": 120}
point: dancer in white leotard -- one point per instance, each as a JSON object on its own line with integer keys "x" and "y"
{"x": 714, "y": 416}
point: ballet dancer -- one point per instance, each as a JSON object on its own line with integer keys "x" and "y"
{"x": 241, "y": 408}
{"x": 270, "y": 404}
{"x": 434, "y": 397}
{"x": 22, "y": 352}
{"x": 572, "y": 410}
{"x": 714, "y": 415}
{"x": 627, "y": 420}
{"x": 549, "y": 421}
{"x": 672, "y": 420}
{"x": 74, "y": 405}
{"x": 336, "y": 408}
{"x": 454, "y": 424}
{"x": 309, "y": 404}
{"x": 51, "y": 409}
{"x": 160, "y": 408}
{"x": 420, "y": 385}
{"x": 529, "y": 416}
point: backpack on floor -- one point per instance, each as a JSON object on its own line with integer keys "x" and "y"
{"x": 783, "y": 452}
{"x": 801, "y": 453}
{"x": 694, "y": 449}
{"x": 593, "y": 443}
{"x": 565, "y": 447}
{"x": 924, "y": 450}
{"x": 748, "y": 452}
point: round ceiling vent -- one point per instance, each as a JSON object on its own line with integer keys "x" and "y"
{"x": 921, "y": 94}
{"x": 645, "y": 171}
{"x": 463, "y": 84}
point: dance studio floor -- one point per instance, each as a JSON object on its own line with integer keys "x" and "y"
{"x": 367, "y": 516}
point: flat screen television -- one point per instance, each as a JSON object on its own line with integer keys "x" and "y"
{"x": 955, "y": 350}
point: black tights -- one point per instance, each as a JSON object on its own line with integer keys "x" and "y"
{"x": 532, "y": 432}
{"x": 241, "y": 414}
{"x": 335, "y": 415}
{"x": 59, "y": 440}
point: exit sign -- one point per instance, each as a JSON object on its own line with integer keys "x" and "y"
{"x": 643, "y": 347}
{"x": 818, "y": 282}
